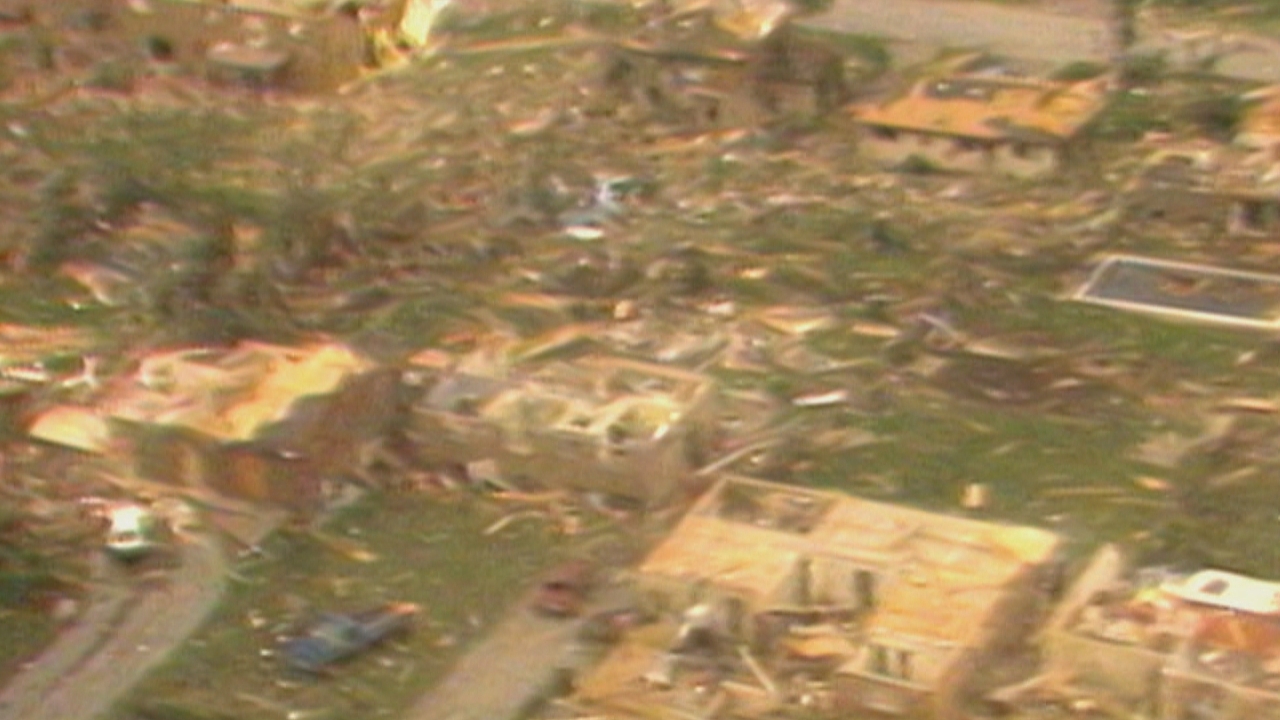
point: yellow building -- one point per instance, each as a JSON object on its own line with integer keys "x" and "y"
{"x": 901, "y": 607}
{"x": 967, "y": 122}
{"x": 257, "y": 421}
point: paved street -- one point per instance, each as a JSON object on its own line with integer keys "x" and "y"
{"x": 1004, "y": 29}
{"x": 517, "y": 660}
{"x": 1057, "y": 32}
{"x": 127, "y": 629}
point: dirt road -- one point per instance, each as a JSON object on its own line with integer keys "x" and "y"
{"x": 1057, "y": 31}
{"x": 129, "y": 627}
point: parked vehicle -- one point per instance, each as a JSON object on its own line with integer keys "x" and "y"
{"x": 608, "y": 626}
{"x": 334, "y": 637}
{"x": 563, "y": 590}
{"x": 134, "y": 532}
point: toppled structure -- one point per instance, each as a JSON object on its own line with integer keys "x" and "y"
{"x": 700, "y": 76}
{"x": 792, "y": 596}
{"x": 1205, "y": 645}
{"x": 1228, "y": 189}
{"x": 261, "y": 422}
{"x": 631, "y": 429}
{"x": 1259, "y": 125}
{"x": 308, "y": 45}
{"x": 973, "y": 122}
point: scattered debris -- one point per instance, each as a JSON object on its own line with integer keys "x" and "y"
{"x": 821, "y": 399}
{"x": 976, "y": 496}
{"x": 563, "y": 590}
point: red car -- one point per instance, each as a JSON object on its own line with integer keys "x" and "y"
{"x": 563, "y": 591}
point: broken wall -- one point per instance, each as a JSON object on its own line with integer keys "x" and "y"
{"x": 649, "y": 470}
{"x": 1026, "y": 160}
{"x": 839, "y": 581}
{"x": 183, "y": 458}
{"x": 1184, "y": 693}
{"x": 1178, "y": 206}
{"x": 324, "y": 51}
{"x": 259, "y": 475}
{"x": 1129, "y": 672}
{"x": 854, "y": 695}
{"x": 891, "y": 146}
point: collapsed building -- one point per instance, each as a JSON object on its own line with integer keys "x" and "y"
{"x": 697, "y": 75}
{"x": 261, "y": 422}
{"x": 773, "y": 595}
{"x": 1181, "y": 647}
{"x": 979, "y": 122}
{"x": 625, "y": 428}
{"x": 1258, "y": 127}
{"x": 1225, "y": 189}
{"x": 306, "y": 45}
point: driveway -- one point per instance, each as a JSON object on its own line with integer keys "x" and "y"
{"x": 521, "y": 657}
{"x": 1056, "y": 31}
{"x": 130, "y": 625}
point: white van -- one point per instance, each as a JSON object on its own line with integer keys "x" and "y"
{"x": 134, "y": 532}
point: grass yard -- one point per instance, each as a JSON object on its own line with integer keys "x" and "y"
{"x": 426, "y": 549}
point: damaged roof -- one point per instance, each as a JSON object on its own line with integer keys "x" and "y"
{"x": 968, "y": 563}
{"x": 231, "y": 394}
{"x": 990, "y": 108}
{"x": 1213, "y": 170}
{"x": 286, "y": 8}
{"x": 745, "y": 19}
{"x": 596, "y": 396}
{"x": 1259, "y": 122}
{"x": 741, "y": 558}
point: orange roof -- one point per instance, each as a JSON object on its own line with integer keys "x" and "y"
{"x": 991, "y": 108}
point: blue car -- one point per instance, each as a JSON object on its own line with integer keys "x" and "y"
{"x": 334, "y": 637}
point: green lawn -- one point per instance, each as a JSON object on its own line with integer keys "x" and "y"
{"x": 429, "y": 550}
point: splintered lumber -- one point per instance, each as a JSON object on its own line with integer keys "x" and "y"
{"x": 758, "y": 671}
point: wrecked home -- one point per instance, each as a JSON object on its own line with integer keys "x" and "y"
{"x": 257, "y": 421}
{"x": 1203, "y": 645}
{"x": 621, "y": 427}
{"x": 1225, "y": 188}
{"x": 295, "y": 44}
{"x": 694, "y": 74}
{"x": 976, "y": 123}
{"x": 817, "y": 598}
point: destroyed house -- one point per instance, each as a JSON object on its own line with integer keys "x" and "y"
{"x": 704, "y": 78}
{"x": 1204, "y": 645}
{"x": 29, "y": 358}
{"x": 895, "y": 609}
{"x": 259, "y": 422}
{"x": 1258, "y": 126}
{"x": 969, "y": 122}
{"x": 1227, "y": 189}
{"x": 305, "y": 45}
{"x": 609, "y": 425}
